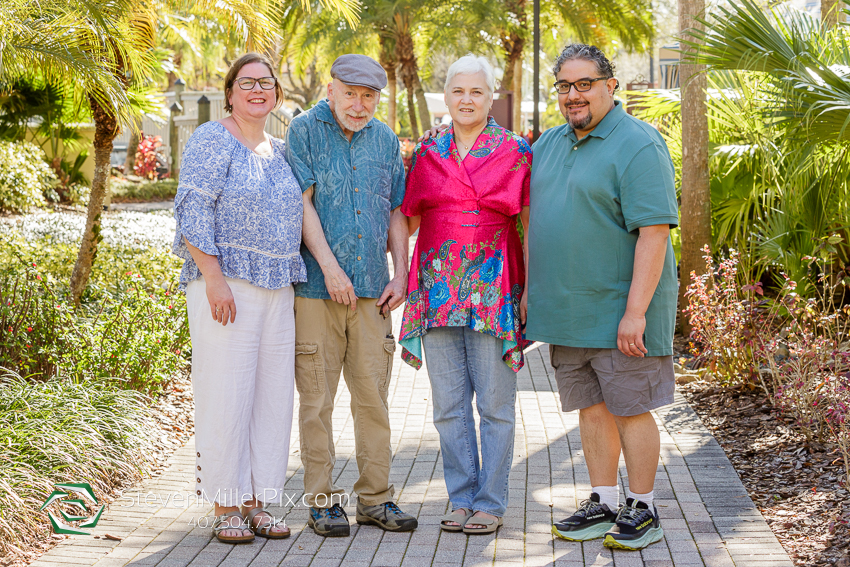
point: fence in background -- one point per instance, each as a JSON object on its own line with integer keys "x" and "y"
{"x": 185, "y": 111}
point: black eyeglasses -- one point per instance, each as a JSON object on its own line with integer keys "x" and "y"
{"x": 247, "y": 83}
{"x": 582, "y": 85}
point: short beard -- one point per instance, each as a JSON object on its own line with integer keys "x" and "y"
{"x": 347, "y": 124}
{"x": 581, "y": 124}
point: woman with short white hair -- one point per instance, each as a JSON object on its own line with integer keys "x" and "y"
{"x": 466, "y": 302}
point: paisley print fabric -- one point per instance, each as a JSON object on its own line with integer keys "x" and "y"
{"x": 467, "y": 268}
{"x": 242, "y": 207}
{"x": 356, "y": 186}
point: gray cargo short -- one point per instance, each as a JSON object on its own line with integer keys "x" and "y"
{"x": 628, "y": 385}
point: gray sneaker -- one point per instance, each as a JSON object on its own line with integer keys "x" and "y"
{"x": 329, "y": 522}
{"x": 387, "y": 516}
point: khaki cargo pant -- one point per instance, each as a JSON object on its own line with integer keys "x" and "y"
{"x": 331, "y": 338}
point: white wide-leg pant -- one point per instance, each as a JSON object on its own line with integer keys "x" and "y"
{"x": 243, "y": 381}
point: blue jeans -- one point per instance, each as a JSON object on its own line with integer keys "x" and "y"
{"x": 461, "y": 362}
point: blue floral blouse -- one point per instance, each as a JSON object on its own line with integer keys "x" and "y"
{"x": 240, "y": 206}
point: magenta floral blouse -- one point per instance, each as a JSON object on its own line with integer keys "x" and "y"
{"x": 467, "y": 268}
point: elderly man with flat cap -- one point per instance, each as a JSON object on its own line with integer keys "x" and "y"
{"x": 351, "y": 173}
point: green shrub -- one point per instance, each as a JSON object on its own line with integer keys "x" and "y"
{"x": 129, "y": 192}
{"x": 25, "y": 177}
{"x": 131, "y": 332}
{"x": 64, "y": 431}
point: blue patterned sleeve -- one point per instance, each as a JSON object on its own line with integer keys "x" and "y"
{"x": 203, "y": 173}
{"x": 298, "y": 152}
{"x": 397, "y": 191}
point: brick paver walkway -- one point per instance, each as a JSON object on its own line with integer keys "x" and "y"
{"x": 708, "y": 518}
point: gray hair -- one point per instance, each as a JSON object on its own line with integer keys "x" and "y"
{"x": 587, "y": 53}
{"x": 470, "y": 65}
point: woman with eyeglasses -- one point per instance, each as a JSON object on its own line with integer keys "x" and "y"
{"x": 238, "y": 210}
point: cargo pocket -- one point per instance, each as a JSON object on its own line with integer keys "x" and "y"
{"x": 387, "y": 366}
{"x": 309, "y": 369}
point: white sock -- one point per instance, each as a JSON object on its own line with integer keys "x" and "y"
{"x": 609, "y": 495}
{"x": 645, "y": 498}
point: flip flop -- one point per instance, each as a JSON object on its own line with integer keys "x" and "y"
{"x": 490, "y": 525}
{"x": 221, "y": 524}
{"x": 265, "y": 529}
{"x": 459, "y": 516}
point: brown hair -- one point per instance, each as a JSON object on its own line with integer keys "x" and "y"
{"x": 237, "y": 65}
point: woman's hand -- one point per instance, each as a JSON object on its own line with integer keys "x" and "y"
{"x": 222, "y": 305}
{"x": 432, "y": 133}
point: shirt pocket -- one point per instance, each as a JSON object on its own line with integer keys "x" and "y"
{"x": 378, "y": 178}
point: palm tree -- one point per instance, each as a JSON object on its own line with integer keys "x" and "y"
{"x": 777, "y": 114}
{"x": 386, "y": 32}
{"x": 504, "y": 27}
{"x": 695, "y": 209}
{"x": 112, "y": 46}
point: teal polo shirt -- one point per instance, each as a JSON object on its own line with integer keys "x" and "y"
{"x": 589, "y": 197}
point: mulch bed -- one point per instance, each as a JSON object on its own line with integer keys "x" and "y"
{"x": 797, "y": 484}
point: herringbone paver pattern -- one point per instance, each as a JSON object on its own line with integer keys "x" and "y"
{"x": 708, "y": 518}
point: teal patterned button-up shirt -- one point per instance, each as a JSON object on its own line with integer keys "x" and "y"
{"x": 355, "y": 187}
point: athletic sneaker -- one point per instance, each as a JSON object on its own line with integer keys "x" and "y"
{"x": 329, "y": 522}
{"x": 636, "y": 527}
{"x": 592, "y": 520}
{"x": 387, "y": 516}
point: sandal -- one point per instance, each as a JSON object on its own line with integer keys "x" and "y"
{"x": 222, "y": 523}
{"x": 459, "y": 516}
{"x": 265, "y": 529}
{"x": 490, "y": 525}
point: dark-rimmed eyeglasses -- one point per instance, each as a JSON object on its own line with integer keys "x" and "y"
{"x": 247, "y": 83}
{"x": 582, "y": 85}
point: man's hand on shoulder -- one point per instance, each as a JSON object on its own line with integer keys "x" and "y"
{"x": 432, "y": 133}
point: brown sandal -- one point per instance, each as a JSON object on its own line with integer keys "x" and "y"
{"x": 221, "y": 524}
{"x": 265, "y": 529}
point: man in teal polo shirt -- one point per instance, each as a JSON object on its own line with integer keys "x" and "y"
{"x": 602, "y": 289}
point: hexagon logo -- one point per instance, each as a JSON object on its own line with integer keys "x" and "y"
{"x": 81, "y": 516}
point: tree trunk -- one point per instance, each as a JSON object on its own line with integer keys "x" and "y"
{"x": 392, "y": 85}
{"x": 696, "y": 195}
{"x": 406, "y": 57}
{"x": 411, "y": 113}
{"x": 518, "y": 97}
{"x": 388, "y": 62}
{"x": 421, "y": 103}
{"x": 513, "y": 45}
{"x": 132, "y": 148}
{"x": 106, "y": 128}
{"x": 830, "y": 12}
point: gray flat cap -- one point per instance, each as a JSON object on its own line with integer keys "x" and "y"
{"x": 359, "y": 70}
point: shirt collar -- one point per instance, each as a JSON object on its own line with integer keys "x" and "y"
{"x": 606, "y": 125}
{"x": 325, "y": 114}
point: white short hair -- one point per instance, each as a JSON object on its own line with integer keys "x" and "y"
{"x": 470, "y": 65}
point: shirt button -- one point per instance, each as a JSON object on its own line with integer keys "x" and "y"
{"x": 575, "y": 147}
{"x": 355, "y": 168}
{"x": 356, "y": 190}
{"x": 358, "y": 257}
{"x": 358, "y": 211}
{"x": 359, "y": 236}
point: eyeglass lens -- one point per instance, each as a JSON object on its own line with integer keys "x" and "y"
{"x": 247, "y": 83}
{"x": 582, "y": 85}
